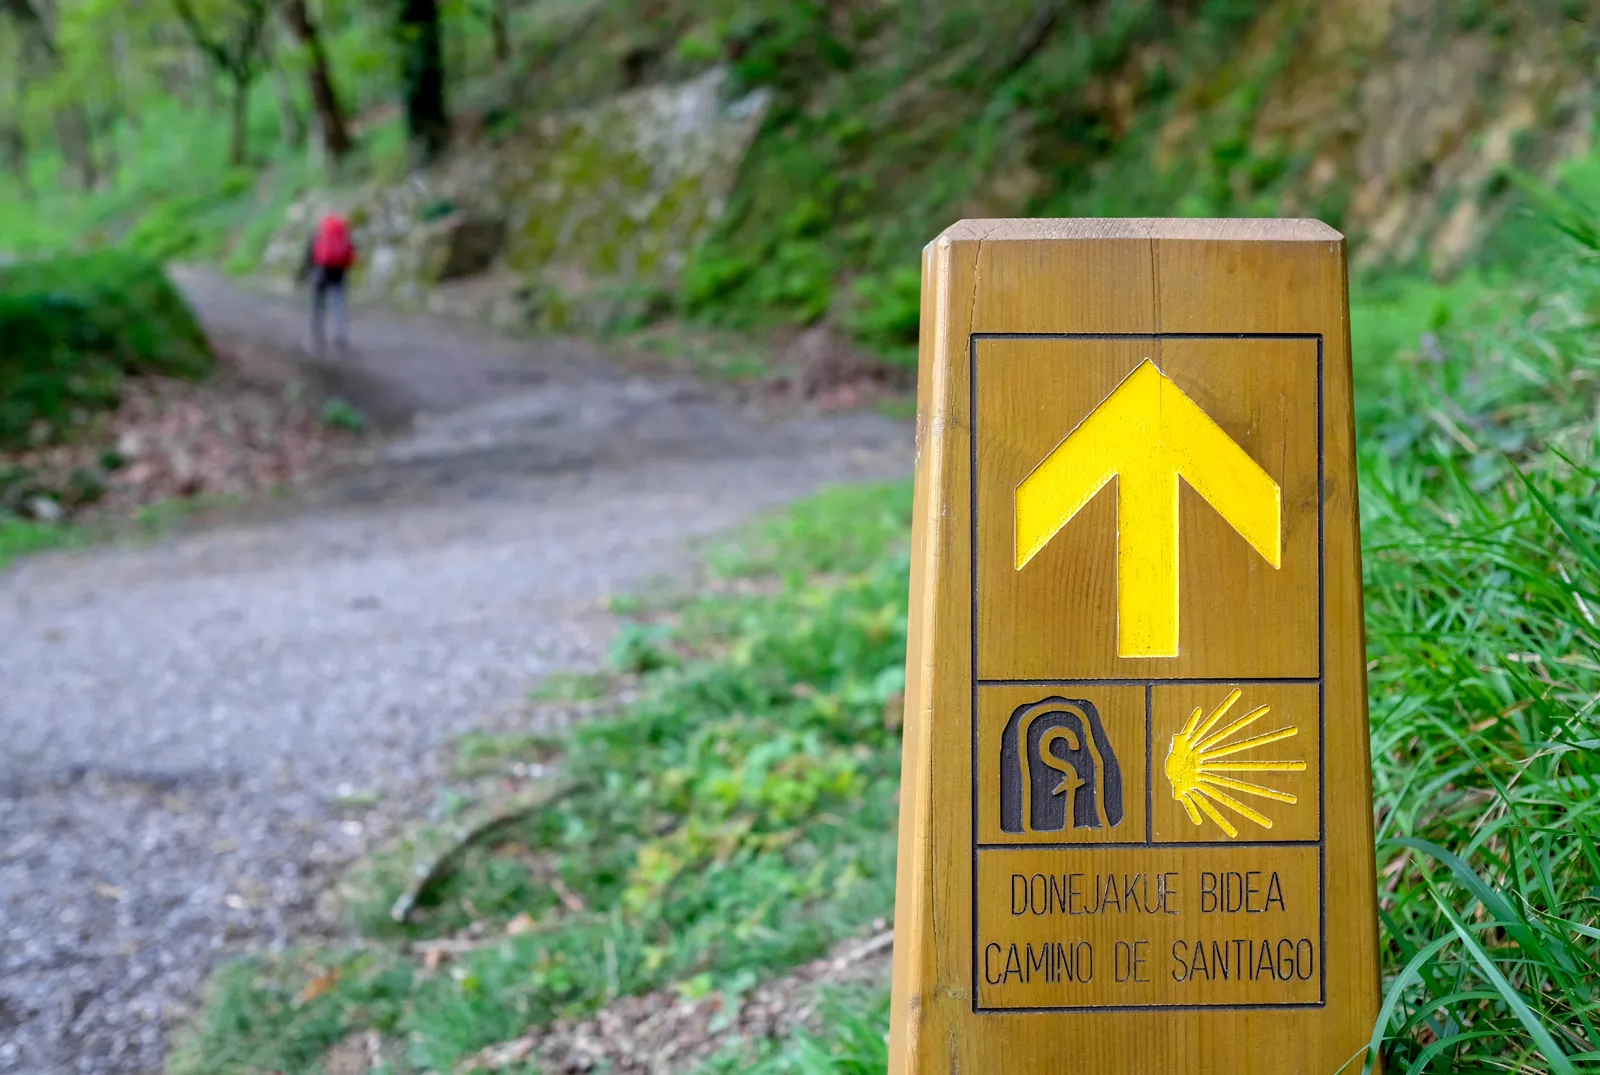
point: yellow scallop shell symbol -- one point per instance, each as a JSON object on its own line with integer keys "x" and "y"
{"x": 1199, "y": 756}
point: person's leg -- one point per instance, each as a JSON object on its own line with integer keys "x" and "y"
{"x": 319, "y": 299}
{"x": 338, "y": 299}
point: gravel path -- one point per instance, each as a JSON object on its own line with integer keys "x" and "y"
{"x": 178, "y": 723}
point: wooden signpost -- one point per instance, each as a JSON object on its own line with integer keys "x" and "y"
{"x": 1136, "y": 816}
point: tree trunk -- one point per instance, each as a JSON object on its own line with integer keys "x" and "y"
{"x": 330, "y": 115}
{"x": 15, "y": 144}
{"x": 110, "y": 127}
{"x": 201, "y": 75}
{"x": 237, "y": 55}
{"x": 77, "y": 147}
{"x": 123, "y": 68}
{"x": 13, "y": 134}
{"x": 422, "y": 78}
{"x": 114, "y": 111}
{"x": 500, "y": 30}
{"x": 291, "y": 128}
{"x": 173, "y": 68}
{"x": 238, "y": 141}
{"x": 43, "y": 58}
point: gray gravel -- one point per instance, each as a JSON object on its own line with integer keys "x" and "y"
{"x": 178, "y": 722}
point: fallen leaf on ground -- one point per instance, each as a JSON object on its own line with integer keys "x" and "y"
{"x": 665, "y": 1031}
{"x": 569, "y": 898}
{"x": 319, "y": 985}
{"x": 171, "y": 439}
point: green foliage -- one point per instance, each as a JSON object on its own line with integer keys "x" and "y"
{"x": 24, "y": 537}
{"x": 640, "y": 648}
{"x": 737, "y": 817}
{"x": 166, "y": 230}
{"x": 74, "y": 327}
{"x": 852, "y": 1043}
{"x": 340, "y": 414}
{"x": 783, "y": 45}
{"x": 887, "y": 315}
{"x": 160, "y": 127}
{"x": 885, "y": 128}
{"x": 840, "y": 531}
{"x": 1219, "y": 172}
{"x": 1560, "y": 207}
{"x": 1479, "y": 527}
{"x": 174, "y": 195}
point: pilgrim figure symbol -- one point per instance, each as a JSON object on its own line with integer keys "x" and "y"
{"x": 1058, "y": 769}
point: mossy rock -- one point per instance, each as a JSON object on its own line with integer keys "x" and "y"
{"x": 598, "y": 202}
{"x": 609, "y": 192}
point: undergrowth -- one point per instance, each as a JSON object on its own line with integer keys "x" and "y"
{"x": 1479, "y": 468}
{"x": 167, "y": 190}
{"x": 854, "y": 1042}
{"x": 174, "y": 195}
{"x": 22, "y": 537}
{"x": 890, "y": 122}
{"x": 887, "y": 123}
{"x": 74, "y": 327}
{"x": 736, "y": 816}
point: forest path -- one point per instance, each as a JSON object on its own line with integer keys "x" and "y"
{"x": 184, "y": 725}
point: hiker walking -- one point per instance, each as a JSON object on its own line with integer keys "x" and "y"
{"x": 329, "y": 256}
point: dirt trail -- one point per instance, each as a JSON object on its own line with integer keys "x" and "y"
{"x": 180, "y": 723}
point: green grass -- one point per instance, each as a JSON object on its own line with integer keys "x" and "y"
{"x": 24, "y": 537}
{"x": 1482, "y": 556}
{"x": 736, "y": 816}
{"x": 853, "y": 1043}
{"x": 1480, "y": 533}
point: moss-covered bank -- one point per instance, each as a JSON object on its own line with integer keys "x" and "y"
{"x": 74, "y": 327}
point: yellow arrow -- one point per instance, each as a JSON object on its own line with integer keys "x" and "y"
{"x": 1147, "y": 434}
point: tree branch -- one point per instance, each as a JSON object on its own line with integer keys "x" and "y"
{"x": 238, "y": 59}
{"x": 250, "y": 49}
{"x": 35, "y": 33}
{"x": 1040, "y": 26}
{"x": 214, "y": 50}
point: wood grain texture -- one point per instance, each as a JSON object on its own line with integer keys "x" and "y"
{"x": 1054, "y": 888}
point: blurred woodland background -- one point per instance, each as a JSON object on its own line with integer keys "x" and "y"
{"x": 701, "y": 874}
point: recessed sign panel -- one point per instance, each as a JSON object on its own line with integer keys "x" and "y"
{"x": 1137, "y": 810}
{"x": 1078, "y": 491}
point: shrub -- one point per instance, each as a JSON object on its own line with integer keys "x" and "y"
{"x": 74, "y": 327}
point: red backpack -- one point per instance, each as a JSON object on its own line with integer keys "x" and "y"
{"x": 333, "y": 248}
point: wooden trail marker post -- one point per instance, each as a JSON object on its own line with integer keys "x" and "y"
{"x": 1136, "y": 828}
